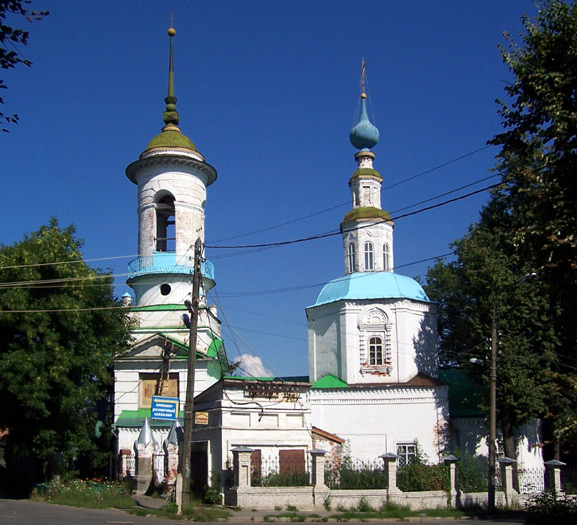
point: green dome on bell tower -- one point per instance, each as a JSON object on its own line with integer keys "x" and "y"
{"x": 170, "y": 138}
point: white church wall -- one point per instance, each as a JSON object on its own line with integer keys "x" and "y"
{"x": 339, "y": 334}
{"x": 324, "y": 334}
{"x": 416, "y": 340}
{"x": 375, "y": 421}
{"x": 127, "y": 381}
{"x": 469, "y": 435}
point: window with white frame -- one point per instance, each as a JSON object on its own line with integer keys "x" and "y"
{"x": 375, "y": 347}
{"x": 386, "y": 257}
{"x": 407, "y": 453}
{"x": 352, "y": 258}
{"x": 369, "y": 263}
{"x": 376, "y": 351}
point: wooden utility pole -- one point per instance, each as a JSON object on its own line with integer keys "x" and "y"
{"x": 492, "y": 412}
{"x": 193, "y": 309}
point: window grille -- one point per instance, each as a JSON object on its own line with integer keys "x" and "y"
{"x": 406, "y": 452}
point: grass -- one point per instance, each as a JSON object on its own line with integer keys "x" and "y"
{"x": 390, "y": 510}
{"x": 199, "y": 513}
{"x": 98, "y": 494}
{"x": 93, "y": 494}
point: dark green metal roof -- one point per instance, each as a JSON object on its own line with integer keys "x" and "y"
{"x": 464, "y": 395}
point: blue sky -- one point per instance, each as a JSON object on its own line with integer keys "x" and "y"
{"x": 268, "y": 91}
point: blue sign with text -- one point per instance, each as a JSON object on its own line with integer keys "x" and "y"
{"x": 165, "y": 408}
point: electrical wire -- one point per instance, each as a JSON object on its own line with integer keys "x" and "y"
{"x": 371, "y": 224}
{"x": 382, "y": 189}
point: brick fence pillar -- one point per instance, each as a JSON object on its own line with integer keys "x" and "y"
{"x": 241, "y": 466}
{"x": 554, "y": 474}
{"x": 124, "y": 471}
{"x": 451, "y": 462}
{"x": 390, "y": 464}
{"x": 318, "y": 468}
{"x": 507, "y": 479}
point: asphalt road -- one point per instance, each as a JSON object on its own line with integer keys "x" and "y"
{"x": 26, "y": 512}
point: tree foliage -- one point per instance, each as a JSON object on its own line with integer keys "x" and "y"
{"x": 487, "y": 275}
{"x": 10, "y": 38}
{"x": 528, "y": 227}
{"x": 60, "y": 327}
{"x": 538, "y": 164}
{"x": 538, "y": 159}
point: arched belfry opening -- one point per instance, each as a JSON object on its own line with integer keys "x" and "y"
{"x": 165, "y": 223}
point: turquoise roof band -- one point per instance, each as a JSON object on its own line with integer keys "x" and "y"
{"x": 371, "y": 285}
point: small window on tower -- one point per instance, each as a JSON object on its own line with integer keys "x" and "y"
{"x": 386, "y": 257}
{"x": 352, "y": 258}
{"x": 369, "y": 264}
{"x": 367, "y": 195}
{"x": 165, "y": 289}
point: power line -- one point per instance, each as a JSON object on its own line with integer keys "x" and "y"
{"x": 347, "y": 202}
{"x": 61, "y": 310}
{"x": 75, "y": 261}
{"x": 77, "y": 281}
{"x": 332, "y": 233}
{"x": 437, "y": 167}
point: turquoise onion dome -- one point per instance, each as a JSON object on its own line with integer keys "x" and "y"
{"x": 364, "y": 135}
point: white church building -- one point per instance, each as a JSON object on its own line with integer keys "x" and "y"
{"x": 373, "y": 382}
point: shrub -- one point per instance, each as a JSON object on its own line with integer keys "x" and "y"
{"x": 212, "y": 496}
{"x": 364, "y": 505}
{"x": 274, "y": 479}
{"x": 419, "y": 475}
{"x": 550, "y": 507}
{"x": 472, "y": 472}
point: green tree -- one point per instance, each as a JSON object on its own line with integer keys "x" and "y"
{"x": 486, "y": 275}
{"x": 538, "y": 164}
{"x": 60, "y": 327}
{"x": 529, "y": 226}
{"x": 12, "y": 37}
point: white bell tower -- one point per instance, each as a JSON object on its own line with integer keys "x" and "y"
{"x": 172, "y": 177}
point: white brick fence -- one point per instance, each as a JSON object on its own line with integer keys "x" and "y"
{"x": 318, "y": 495}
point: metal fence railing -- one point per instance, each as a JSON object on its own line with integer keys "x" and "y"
{"x": 130, "y": 466}
{"x": 531, "y": 480}
{"x": 281, "y": 471}
{"x": 569, "y": 480}
{"x": 355, "y": 474}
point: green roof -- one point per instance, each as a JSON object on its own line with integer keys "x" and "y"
{"x": 366, "y": 172}
{"x": 171, "y": 139}
{"x": 464, "y": 395}
{"x": 367, "y": 213}
{"x": 135, "y": 418}
{"x": 329, "y": 381}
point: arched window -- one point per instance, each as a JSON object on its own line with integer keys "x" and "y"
{"x": 352, "y": 258}
{"x": 165, "y": 236}
{"x": 375, "y": 351}
{"x": 369, "y": 264}
{"x": 386, "y": 257}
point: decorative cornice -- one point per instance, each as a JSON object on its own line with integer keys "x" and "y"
{"x": 173, "y": 157}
